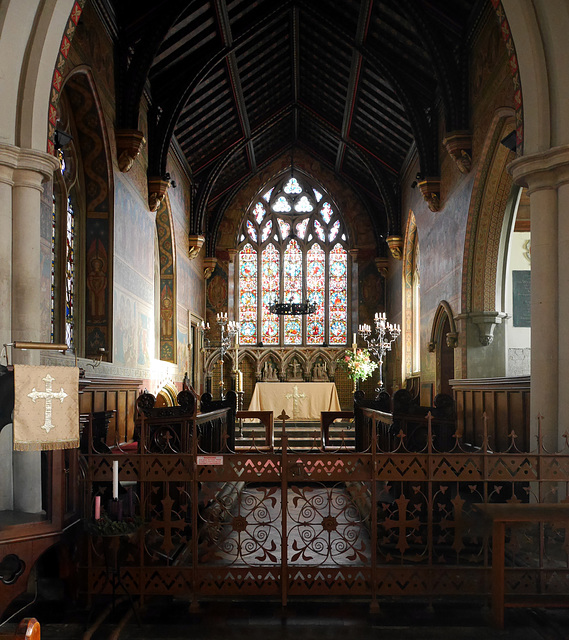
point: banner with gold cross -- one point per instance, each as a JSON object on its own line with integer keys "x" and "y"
{"x": 46, "y": 407}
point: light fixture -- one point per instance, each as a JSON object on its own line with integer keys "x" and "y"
{"x": 61, "y": 139}
{"x": 292, "y": 308}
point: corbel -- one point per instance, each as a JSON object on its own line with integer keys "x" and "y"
{"x": 395, "y": 244}
{"x": 129, "y": 145}
{"x": 195, "y": 244}
{"x": 459, "y": 146}
{"x": 431, "y": 190}
{"x": 382, "y": 265}
{"x": 486, "y": 322}
{"x": 157, "y": 189}
{"x": 209, "y": 265}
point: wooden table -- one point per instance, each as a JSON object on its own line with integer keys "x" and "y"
{"x": 501, "y": 515}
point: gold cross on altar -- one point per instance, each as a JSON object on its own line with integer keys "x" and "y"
{"x": 296, "y": 396}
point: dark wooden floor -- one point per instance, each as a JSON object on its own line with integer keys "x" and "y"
{"x": 171, "y": 620}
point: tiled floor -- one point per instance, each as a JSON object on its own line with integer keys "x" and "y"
{"x": 168, "y": 620}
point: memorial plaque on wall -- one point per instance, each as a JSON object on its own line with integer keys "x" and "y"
{"x": 522, "y": 286}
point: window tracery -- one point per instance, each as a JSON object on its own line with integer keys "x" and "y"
{"x": 292, "y": 246}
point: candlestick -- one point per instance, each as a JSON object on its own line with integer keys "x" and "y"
{"x": 386, "y": 334}
{"x": 115, "y": 479}
{"x": 97, "y": 507}
{"x": 130, "y": 502}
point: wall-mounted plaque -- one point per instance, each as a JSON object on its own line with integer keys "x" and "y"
{"x": 522, "y": 291}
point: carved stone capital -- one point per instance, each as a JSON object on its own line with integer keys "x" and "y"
{"x": 382, "y": 265}
{"x": 232, "y": 253}
{"x": 195, "y": 244}
{"x": 395, "y": 244}
{"x": 129, "y": 144}
{"x": 157, "y": 189}
{"x": 459, "y": 146}
{"x": 432, "y": 347}
{"x": 431, "y": 190}
{"x": 209, "y": 265}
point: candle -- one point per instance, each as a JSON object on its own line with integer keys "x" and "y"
{"x": 240, "y": 374}
{"x": 115, "y": 479}
{"x": 97, "y": 507}
{"x": 354, "y": 339}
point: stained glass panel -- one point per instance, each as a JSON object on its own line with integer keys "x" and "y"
{"x": 326, "y": 212}
{"x": 266, "y": 230}
{"x": 284, "y": 227}
{"x": 315, "y": 292}
{"x": 338, "y": 295}
{"x": 70, "y": 276}
{"x": 293, "y": 291}
{"x": 53, "y": 252}
{"x": 259, "y": 212}
{"x": 282, "y": 205}
{"x": 251, "y": 230}
{"x": 267, "y": 195}
{"x": 334, "y": 230}
{"x": 301, "y": 228}
{"x": 303, "y": 205}
{"x": 270, "y": 283}
{"x": 320, "y": 231}
{"x": 317, "y": 195}
{"x": 248, "y": 295}
{"x": 292, "y": 187}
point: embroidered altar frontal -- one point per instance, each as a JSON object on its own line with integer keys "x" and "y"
{"x": 46, "y": 408}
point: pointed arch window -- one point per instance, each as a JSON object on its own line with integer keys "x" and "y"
{"x": 293, "y": 246}
{"x": 63, "y": 253}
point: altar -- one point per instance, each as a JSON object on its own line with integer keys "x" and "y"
{"x": 301, "y": 401}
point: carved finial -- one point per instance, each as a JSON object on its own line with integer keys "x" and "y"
{"x": 129, "y": 144}
{"x": 157, "y": 189}
{"x": 459, "y": 146}
{"x": 209, "y": 265}
{"x": 431, "y": 190}
{"x": 284, "y": 418}
{"x": 395, "y": 244}
{"x": 195, "y": 244}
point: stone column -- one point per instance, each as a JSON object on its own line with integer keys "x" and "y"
{"x": 33, "y": 168}
{"x": 546, "y": 174}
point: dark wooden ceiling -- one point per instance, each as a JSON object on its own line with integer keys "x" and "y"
{"x": 354, "y": 83}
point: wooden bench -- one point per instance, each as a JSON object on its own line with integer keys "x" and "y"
{"x": 500, "y": 515}
{"x": 326, "y": 419}
{"x": 267, "y": 420}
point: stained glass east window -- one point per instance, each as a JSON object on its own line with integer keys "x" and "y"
{"x": 293, "y": 247}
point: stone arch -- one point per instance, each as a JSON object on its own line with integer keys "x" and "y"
{"x": 481, "y": 300}
{"x": 166, "y": 396}
{"x": 97, "y": 211}
{"x": 443, "y": 341}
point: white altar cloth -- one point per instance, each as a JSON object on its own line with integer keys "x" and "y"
{"x": 302, "y": 401}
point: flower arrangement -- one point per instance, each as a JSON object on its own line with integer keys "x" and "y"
{"x": 358, "y": 363}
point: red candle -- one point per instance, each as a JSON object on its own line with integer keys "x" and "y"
{"x": 97, "y": 507}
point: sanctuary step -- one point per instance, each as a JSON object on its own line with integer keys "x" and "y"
{"x": 301, "y": 435}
